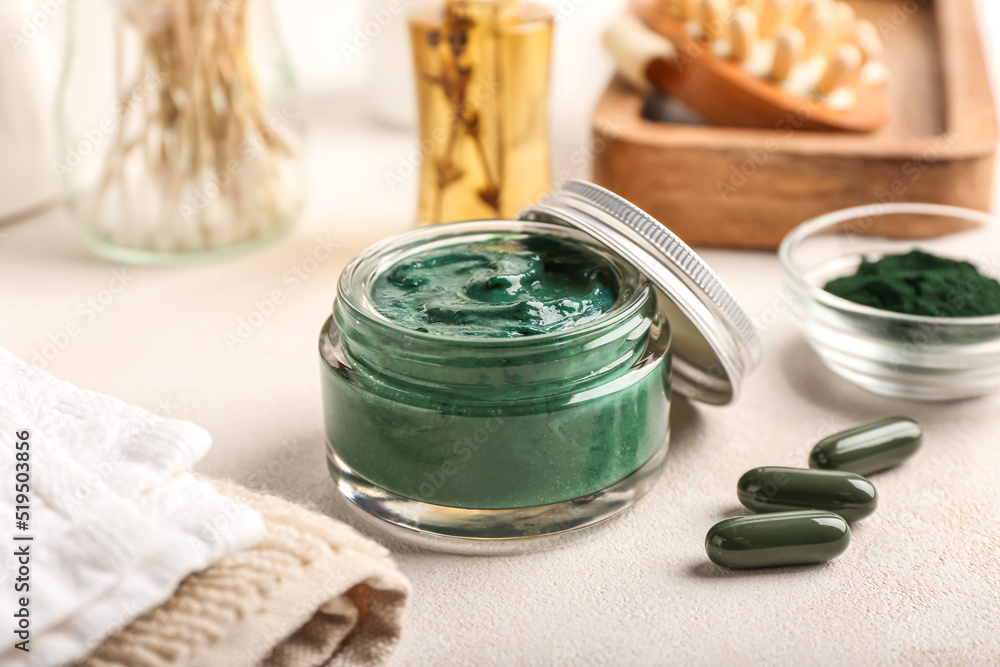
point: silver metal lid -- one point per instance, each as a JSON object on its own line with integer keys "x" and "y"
{"x": 715, "y": 345}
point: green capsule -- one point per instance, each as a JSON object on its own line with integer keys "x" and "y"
{"x": 774, "y": 489}
{"x": 783, "y": 538}
{"x": 869, "y": 448}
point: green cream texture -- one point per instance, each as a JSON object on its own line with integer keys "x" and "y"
{"x": 504, "y": 288}
{"x": 502, "y": 372}
{"x": 465, "y": 454}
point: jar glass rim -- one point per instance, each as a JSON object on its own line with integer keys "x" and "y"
{"x": 353, "y": 289}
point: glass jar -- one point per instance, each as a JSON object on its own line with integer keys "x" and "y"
{"x": 179, "y": 128}
{"x": 540, "y": 433}
{"x": 491, "y": 439}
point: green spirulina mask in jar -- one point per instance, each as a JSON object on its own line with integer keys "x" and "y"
{"x": 503, "y": 287}
{"x": 509, "y": 379}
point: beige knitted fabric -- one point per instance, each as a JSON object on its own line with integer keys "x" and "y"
{"x": 312, "y": 592}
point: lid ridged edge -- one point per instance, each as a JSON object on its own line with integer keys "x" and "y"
{"x": 697, "y": 293}
{"x": 678, "y": 251}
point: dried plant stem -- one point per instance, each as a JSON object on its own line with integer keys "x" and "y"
{"x": 455, "y": 79}
{"x": 205, "y": 108}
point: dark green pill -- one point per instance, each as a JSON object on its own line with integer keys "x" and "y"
{"x": 869, "y": 448}
{"x": 774, "y": 489}
{"x": 783, "y": 538}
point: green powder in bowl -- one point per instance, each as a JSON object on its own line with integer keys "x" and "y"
{"x": 919, "y": 283}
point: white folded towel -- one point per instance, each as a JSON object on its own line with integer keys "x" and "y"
{"x": 116, "y": 521}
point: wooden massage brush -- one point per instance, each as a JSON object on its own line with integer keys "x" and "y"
{"x": 779, "y": 64}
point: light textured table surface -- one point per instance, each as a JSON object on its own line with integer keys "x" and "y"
{"x": 919, "y": 585}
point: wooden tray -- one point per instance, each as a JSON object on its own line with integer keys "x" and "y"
{"x": 747, "y": 188}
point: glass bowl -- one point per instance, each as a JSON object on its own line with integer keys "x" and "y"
{"x": 893, "y": 354}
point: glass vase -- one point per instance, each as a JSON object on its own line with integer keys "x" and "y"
{"x": 180, "y": 127}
